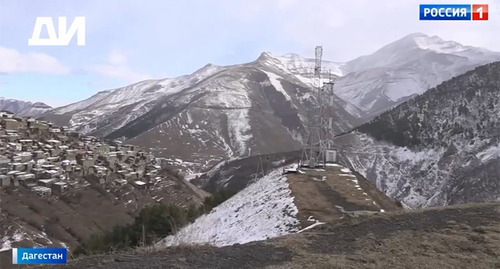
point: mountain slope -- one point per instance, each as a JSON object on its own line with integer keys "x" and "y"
{"x": 439, "y": 148}
{"x": 109, "y": 110}
{"x": 26, "y": 220}
{"x": 404, "y": 68}
{"x": 263, "y": 210}
{"x": 23, "y": 108}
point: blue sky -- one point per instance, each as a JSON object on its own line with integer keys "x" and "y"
{"x": 128, "y": 41}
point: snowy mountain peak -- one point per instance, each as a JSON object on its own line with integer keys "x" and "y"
{"x": 406, "y": 67}
{"x": 206, "y": 70}
{"x": 425, "y": 42}
{"x": 265, "y": 56}
{"x": 41, "y": 105}
{"x": 416, "y": 35}
{"x": 208, "y": 66}
{"x": 437, "y": 44}
{"x": 300, "y": 67}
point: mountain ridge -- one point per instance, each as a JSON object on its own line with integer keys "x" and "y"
{"x": 24, "y": 108}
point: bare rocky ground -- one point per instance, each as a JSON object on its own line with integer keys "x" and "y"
{"x": 465, "y": 236}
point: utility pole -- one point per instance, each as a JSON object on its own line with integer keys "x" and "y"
{"x": 260, "y": 169}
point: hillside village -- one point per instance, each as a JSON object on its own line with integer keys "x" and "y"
{"x": 49, "y": 160}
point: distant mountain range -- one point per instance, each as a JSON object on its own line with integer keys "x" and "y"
{"x": 222, "y": 112}
{"x": 23, "y": 108}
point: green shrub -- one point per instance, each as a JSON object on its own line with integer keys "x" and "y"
{"x": 152, "y": 223}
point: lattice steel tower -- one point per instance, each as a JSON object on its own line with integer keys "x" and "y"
{"x": 318, "y": 148}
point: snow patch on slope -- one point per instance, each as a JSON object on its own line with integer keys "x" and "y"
{"x": 489, "y": 154}
{"x": 227, "y": 99}
{"x": 437, "y": 44}
{"x": 414, "y": 157}
{"x": 390, "y": 168}
{"x": 17, "y": 235}
{"x": 7, "y": 241}
{"x": 263, "y": 210}
{"x": 274, "y": 79}
{"x": 239, "y": 129}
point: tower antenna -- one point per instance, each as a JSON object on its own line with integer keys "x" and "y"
{"x": 318, "y": 149}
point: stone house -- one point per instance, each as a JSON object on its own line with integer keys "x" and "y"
{"x": 139, "y": 184}
{"x": 4, "y": 180}
{"x": 46, "y": 182}
{"x": 4, "y": 162}
{"x": 25, "y": 179}
{"x": 25, "y": 156}
{"x": 120, "y": 182}
{"x": 54, "y": 152}
{"x": 59, "y": 187}
{"x": 38, "y": 172}
{"x": 40, "y": 154}
{"x": 71, "y": 154}
{"x": 42, "y": 191}
{"x": 67, "y": 166}
{"x": 17, "y": 166}
{"x": 10, "y": 124}
{"x": 53, "y": 160}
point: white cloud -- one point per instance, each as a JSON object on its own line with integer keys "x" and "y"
{"x": 348, "y": 29}
{"x": 117, "y": 67}
{"x": 13, "y": 61}
{"x": 117, "y": 58}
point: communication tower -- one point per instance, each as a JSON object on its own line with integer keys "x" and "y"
{"x": 318, "y": 149}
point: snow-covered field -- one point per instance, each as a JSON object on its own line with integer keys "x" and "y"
{"x": 275, "y": 81}
{"x": 265, "y": 209}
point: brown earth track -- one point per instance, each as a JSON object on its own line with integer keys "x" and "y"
{"x": 317, "y": 198}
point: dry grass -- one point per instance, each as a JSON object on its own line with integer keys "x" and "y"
{"x": 454, "y": 237}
